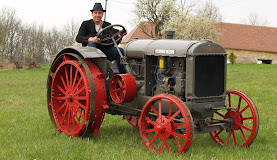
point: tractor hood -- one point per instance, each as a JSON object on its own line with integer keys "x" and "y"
{"x": 171, "y": 48}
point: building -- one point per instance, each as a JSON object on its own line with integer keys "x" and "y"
{"x": 249, "y": 43}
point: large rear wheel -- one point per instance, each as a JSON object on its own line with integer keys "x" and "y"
{"x": 166, "y": 122}
{"x": 76, "y": 104}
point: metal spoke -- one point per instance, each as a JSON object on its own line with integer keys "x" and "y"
{"x": 239, "y": 103}
{"x": 245, "y": 127}
{"x": 243, "y": 134}
{"x": 65, "y": 103}
{"x": 60, "y": 98}
{"x": 180, "y": 124}
{"x": 79, "y": 91}
{"x": 65, "y": 86}
{"x": 81, "y": 105}
{"x": 162, "y": 146}
{"x": 81, "y": 115}
{"x": 78, "y": 84}
{"x": 152, "y": 141}
{"x": 149, "y": 130}
{"x": 174, "y": 115}
{"x": 81, "y": 98}
{"x": 73, "y": 120}
{"x": 152, "y": 107}
{"x": 247, "y": 118}
{"x": 64, "y": 113}
{"x": 177, "y": 135}
{"x": 234, "y": 137}
{"x": 150, "y": 121}
{"x": 166, "y": 145}
{"x": 177, "y": 143}
{"x": 170, "y": 109}
{"x": 227, "y": 140}
{"x": 244, "y": 109}
{"x": 75, "y": 77}
{"x": 66, "y": 77}
{"x": 68, "y": 120}
{"x": 60, "y": 88}
{"x": 70, "y": 78}
{"x": 218, "y": 133}
{"x": 160, "y": 108}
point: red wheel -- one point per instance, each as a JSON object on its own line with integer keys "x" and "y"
{"x": 123, "y": 88}
{"x": 70, "y": 98}
{"x": 166, "y": 121}
{"x": 246, "y": 120}
{"x": 133, "y": 120}
{"x": 72, "y": 107}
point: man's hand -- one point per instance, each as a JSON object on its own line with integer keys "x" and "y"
{"x": 122, "y": 33}
{"x": 94, "y": 39}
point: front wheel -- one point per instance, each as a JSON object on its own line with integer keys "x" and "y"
{"x": 166, "y": 122}
{"x": 246, "y": 120}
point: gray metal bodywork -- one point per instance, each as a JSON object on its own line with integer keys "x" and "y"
{"x": 185, "y": 55}
{"x": 96, "y": 55}
{"x": 140, "y": 48}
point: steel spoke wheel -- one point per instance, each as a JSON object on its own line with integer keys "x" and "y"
{"x": 246, "y": 120}
{"x": 166, "y": 124}
{"x": 70, "y": 98}
{"x": 76, "y": 95}
{"x": 133, "y": 120}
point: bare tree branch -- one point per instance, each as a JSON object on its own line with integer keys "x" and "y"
{"x": 255, "y": 20}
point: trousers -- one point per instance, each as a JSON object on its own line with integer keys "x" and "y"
{"x": 111, "y": 53}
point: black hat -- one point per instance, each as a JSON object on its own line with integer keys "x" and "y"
{"x": 97, "y": 7}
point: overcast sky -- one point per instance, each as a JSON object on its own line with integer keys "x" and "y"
{"x": 59, "y": 12}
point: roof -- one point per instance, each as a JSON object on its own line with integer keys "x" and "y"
{"x": 137, "y": 33}
{"x": 248, "y": 37}
{"x": 234, "y": 36}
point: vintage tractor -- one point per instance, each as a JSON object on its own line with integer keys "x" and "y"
{"x": 173, "y": 89}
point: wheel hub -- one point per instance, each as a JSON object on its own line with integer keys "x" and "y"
{"x": 237, "y": 119}
{"x": 70, "y": 98}
{"x": 163, "y": 125}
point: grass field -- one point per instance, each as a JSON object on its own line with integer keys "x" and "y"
{"x": 26, "y": 131}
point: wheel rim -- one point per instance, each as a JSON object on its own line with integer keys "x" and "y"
{"x": 70, "y": 98}
{"x": 246, "y": 120}
{"x": 123, "y": 88}
{"x": 133, "y": 120}
{"x": 163, "y": 131}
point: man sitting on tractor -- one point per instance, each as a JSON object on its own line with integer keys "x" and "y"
{"x": 89, "y": 35}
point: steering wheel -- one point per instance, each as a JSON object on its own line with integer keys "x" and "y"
{"x": 112, "y": 37}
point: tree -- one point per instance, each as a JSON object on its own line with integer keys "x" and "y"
{"x": 193, "y": 28}
{"x": 53, "y": 43}
{"x": 70, "y": 32}
{"x": 12, "y": 38}
{"x": 197, "y": 24}
{"x": 255, "y": 20}
{"x": 3, "y": 31}
{"x": 189, "y": 18}
{"x": 155, "y": 12}
{"x": 210, "y": 11}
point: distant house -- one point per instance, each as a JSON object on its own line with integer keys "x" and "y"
{"x": 249, "y": 43}
{"x": 137, "y": 33}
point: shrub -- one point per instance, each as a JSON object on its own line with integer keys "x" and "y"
{"x": 232, "y": 58}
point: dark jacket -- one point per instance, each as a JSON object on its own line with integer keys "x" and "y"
{"x": 87, "y": 30}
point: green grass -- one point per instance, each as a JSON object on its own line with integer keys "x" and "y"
{"x": 26, "y": 131}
